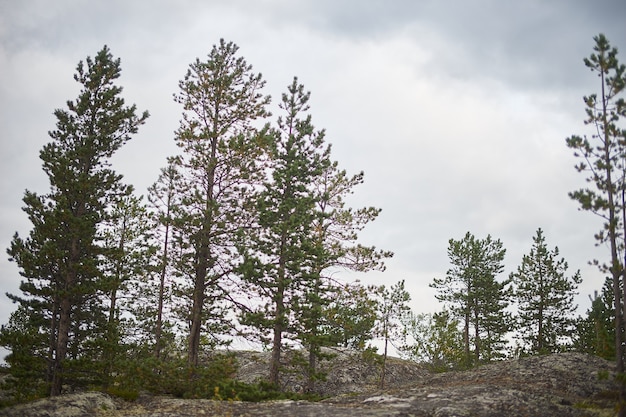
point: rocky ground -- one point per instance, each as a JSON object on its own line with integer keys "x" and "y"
{"x": 568, "y": 384}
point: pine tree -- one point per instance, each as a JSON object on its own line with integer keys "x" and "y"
{"x": 279, "y": 258}
{"x": 545, "y": 298}
{"x": 335, "y": 236}
{"x": 393, "y": 310}
{"x": 603, "y": 157}
{"x": 219, "y": 166}
{"x": 595, "y": 333}
{"x": 62, "y": 256}
{"x": 351, "y": 317}
{"x": 436, "y": 341}
{"x": 164, "y": 199}
{"x": 474, "y": 296}
{"x": 128, "y": 262}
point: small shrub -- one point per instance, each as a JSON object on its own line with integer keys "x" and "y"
{"x": 125, "y": 394}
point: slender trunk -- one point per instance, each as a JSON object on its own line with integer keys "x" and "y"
{"x": 623, "y": 277}
{"x": 314, "y": 344}
{"x": 202, "y": 261}
{"x": 279, "y": 320}
{"x": 466, "y": 328}
{"x": 384, "y": 368}
{"x": 616, "y": 269}
{"x": 112, "y": 309}
{"x": 113, "y": 330}
{"x": 477, "y": 340}
{"x": 198, "y": 305}
{"x": 61, "y": 346}
{"x": 52, "y": 340}
{"x": 312, "y": 366}
{"x": 64, "y": 324}
{"x": 159, "y": 322}
{"x": 615, "y": 263}
{"x": 466, "y": 341}
{"x": 278, "y": 334}
{"x": 540, "y": 345}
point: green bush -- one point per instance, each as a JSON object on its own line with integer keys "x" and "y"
{"x": 128, "y": 395}
{"x": 212, "y": 380}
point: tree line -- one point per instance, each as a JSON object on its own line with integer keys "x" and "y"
{"x": 241, "y": 236}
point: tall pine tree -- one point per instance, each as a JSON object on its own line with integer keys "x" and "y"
{"x": 279, "y": 258}
{"x": 61, "y": 258}
{"x": 335, "y": 235}
{"x": 221, "y": 150}
{"x": 603, "y": 159}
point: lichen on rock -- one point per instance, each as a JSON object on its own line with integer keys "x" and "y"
{"x": 567, "y": 384}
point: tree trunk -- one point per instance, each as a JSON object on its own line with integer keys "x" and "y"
{"x": 196, "y": 311}
{"x": 61, "y": 346}
{"x": 279, "y": 323}
{"x": 477, "y": 341}
{"x": 203, "y": 252}
{"x": 540, "y": 344}
{"x": 159, "y": 322}
{"x": 466, "y": 341}
{"x": 277, "y": 341}
{"x": 53, "y": 339}
{"x": 65, "y": 311}
{"x": 616, "y": 268}
{"x": 311, "y": 372}
{"x": 384, "y": 368}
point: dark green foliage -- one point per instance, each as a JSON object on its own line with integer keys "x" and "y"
{"x": 334, "y": 236}
{"x": 108, "y": 285}
{"x": 545, "y": 299}
{"x": 280, "y": 258}
{"x": 153, "y": 310}
{"x": 474, "y": 296}
{"x": 62, "y": 256}
{"x": 595, "y": 333}
{"x": 304, "y": 231}
{"x": 28, "y": 357}
{"x": 351, "y": 317}
{"x": 212, "y": 380}
{"x": 176, "y": 377}
{"x": 127, "y": 238}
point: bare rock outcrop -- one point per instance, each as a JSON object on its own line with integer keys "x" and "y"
{"x": 347, "y": 372}
{"x": 568, "y": 384}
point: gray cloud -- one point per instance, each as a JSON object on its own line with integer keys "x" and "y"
{"x": 456, "y": 112}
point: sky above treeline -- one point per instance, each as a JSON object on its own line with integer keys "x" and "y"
{"x": 457, "y": 111}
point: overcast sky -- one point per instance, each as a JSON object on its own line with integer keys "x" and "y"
{"x": 457, "y": 111}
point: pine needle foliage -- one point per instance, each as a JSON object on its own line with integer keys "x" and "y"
{"x": 62, "y": 256}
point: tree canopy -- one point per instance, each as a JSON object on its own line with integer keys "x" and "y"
{"x": 545, "y": 299}
{"x": 62, "y": 258}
